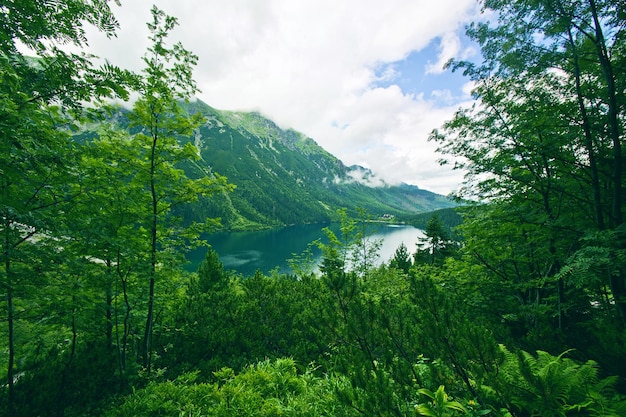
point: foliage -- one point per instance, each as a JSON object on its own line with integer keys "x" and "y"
{"x": 439, "y": 404}
{"x": 100, "y": 317}
{"x": 228, "y": 320}
{"x": 401, "y": 259}
{"x": 549, "y": 385}
{"x": 167, "y": 78}
{"x": 436, "y": 245}
{"x": 269, "y": 388}
{"x": 354, "y": 249}
{"x": 40, "y": 100}
{"x": 542, "y": 149}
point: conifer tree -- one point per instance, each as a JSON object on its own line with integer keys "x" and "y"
{"x": 435, "y": 245}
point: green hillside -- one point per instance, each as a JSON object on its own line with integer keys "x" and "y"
{"x": 284, "y": 177}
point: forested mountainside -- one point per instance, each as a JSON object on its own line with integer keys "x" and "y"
{"x": 283, "y": 177}
{"x": 450, "y": 218}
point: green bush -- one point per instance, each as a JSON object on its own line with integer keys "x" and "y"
{"x": 269, "y": 388}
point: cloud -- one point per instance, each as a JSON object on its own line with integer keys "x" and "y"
{"x": 316, "y": 66}
{"x": 386, "y": 131}
{"x": 449, "y": 47}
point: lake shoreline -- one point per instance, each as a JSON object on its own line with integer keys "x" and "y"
{"x": 245, "y": 252}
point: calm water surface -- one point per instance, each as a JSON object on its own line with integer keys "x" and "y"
{"x": 245, "y": 252}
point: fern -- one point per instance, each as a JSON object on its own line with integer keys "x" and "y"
{"x": 553, "y": 386}
{"x": 595, "y": 262}
{"x": 589, "y": 266}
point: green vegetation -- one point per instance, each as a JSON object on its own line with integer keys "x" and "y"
{"x": 525, "y": 316}
{"x": 281, "y": 177}
{"x": 449, "y": 217}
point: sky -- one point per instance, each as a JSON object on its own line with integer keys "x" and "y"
{"x": 363, "y": 78}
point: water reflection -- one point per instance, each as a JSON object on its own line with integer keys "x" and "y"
{"x": 246, "y": 252}
{"x": 241, "y": 258}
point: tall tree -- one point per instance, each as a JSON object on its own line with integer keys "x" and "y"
{"x": 107, "y": 214}
{"x": 166, "y": 79}
{"x": 435, "y": 245}
{"x": 545, "y": 141}
{"x": 35, "y": 155}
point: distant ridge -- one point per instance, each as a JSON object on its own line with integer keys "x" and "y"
{"x": 283, "y": 177}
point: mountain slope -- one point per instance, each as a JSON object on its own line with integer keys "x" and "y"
{"x": 284, "y": 177}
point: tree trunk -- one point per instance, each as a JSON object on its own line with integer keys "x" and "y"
{"x": 153, "y": 250}
{"x": 148, "y": 332}
{"x": 618, "y": 285}
{"x": 123, "y": 346}
{"x": 612, "y": 116}
{"x": 10, "y": 317}
{"x": 588, "y": 142}
{"x": 109, "y": 305}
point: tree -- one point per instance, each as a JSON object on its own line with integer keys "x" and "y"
{"x": 436, "y": 245}
{"x": 36, "y": 156}
{"x": 354, "y": 249}
{"x": 167, "y": 78}
{"x": 582, "y": 40}
{"x": 105, "y": 232}
{"x": 365, "y": 251}
{"x": 401, "y": 259}
{"x": 543, "y": 145}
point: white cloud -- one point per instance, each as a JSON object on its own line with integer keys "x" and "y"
{"x": 468, "y": 88}
{"x": 387, "y": 132}
{"x": 312, "y": 65}
{"x": 449, "y": 47}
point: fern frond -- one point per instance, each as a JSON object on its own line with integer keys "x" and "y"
{"x": 547, "y": 385}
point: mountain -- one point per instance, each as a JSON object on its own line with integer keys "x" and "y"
{"x": 283, "y": 177}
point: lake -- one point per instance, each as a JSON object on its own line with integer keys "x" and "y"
{"x": 245, "y": 252}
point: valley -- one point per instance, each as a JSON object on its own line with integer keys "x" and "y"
{"x": 283, "y": 177}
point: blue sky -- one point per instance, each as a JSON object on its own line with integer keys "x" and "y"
{"x": 363, "y": 78}
{"x": 413, "y": 79}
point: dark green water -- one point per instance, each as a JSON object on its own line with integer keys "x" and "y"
{"x": 245, "y": 252}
